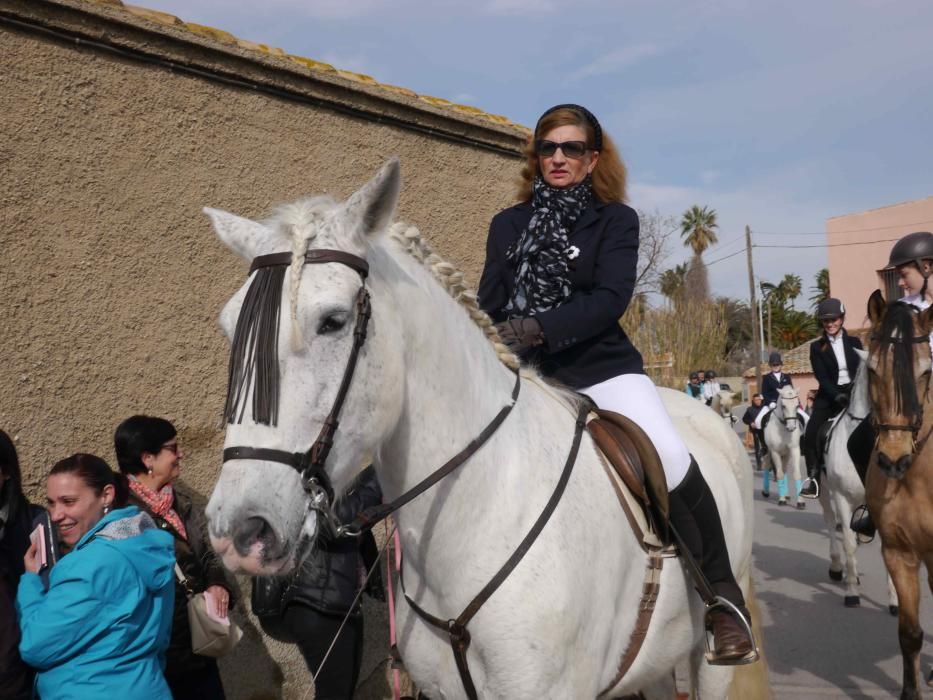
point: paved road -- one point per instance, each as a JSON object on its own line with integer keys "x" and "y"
{"x": 817, "y": 648}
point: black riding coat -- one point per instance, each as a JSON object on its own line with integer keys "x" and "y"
{"x": 584, "y": 343}
{"x": 826, "y": 366}
{"x": 202, "y": 567}
{"x": 771, "y": 387}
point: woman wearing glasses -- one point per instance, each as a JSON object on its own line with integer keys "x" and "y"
{"x": 148, "y": 453}
{"x": 559, "y": 273}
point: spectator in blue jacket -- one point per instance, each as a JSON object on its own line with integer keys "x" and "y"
{"x": 101, "y": 629}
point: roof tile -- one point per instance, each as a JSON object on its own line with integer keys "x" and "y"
{"x": 309, "y": 63}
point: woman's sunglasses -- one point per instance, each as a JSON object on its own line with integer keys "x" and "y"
{"x": 571, "y": 149}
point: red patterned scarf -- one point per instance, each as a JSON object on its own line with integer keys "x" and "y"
{"x": 160, "y": 503}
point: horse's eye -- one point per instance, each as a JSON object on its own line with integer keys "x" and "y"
{"x": 332, "y": 323}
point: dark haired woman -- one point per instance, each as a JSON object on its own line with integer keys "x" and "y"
{"x": 102, "y": 627}
{"x": 148, "y": 454}
{"x": 559, "y": 274}
{"x": 16, "y": 516}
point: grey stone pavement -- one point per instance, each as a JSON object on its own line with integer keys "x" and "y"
{"x": 816, "y": 647}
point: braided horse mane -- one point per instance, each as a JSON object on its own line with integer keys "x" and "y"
{"x": 451, "y": 279}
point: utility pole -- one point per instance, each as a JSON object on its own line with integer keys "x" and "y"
{"x": 751, "y": 292}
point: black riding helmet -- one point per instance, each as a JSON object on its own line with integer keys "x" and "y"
{"x": 830, "y": 309}
{"x": 912, "y": 248}
{"x": 694, "y": 375}
{"x": 710, "y": 374}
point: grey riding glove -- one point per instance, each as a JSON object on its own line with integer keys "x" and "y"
{"x": 521, "y": 334}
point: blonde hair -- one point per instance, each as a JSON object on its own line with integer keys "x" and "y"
{"x": 609, "y": 175}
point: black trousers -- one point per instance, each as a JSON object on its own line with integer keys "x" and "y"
{"x": 313, "y": 631}
{"x": 758, "y": 436}
{"x": 822, "y": 412}
{"x": 202, "y": 684}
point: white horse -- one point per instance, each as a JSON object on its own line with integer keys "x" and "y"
{"x": 843, "y": 491}
{"x": 427, "y": 382}
{"x": 782, "y": 436}
{"x": 722, "y": 403}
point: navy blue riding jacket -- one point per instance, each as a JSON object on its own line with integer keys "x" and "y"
{"x": 584, "y": 343}
{"x": 771, "y": 387}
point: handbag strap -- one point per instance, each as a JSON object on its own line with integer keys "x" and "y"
{"x": 183, "y": 581}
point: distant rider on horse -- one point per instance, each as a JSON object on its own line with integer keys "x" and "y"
{"x": 771, "y": 385}
{"x": 834, "y": 363}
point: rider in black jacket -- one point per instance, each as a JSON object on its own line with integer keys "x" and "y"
{"x": 834, "y": 363}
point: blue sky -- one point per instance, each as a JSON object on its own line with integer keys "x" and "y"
{"x": 777, "y": 115}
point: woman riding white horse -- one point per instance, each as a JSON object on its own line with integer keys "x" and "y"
{"x": 427, "y": 382}
{"x": 559, "y": 274}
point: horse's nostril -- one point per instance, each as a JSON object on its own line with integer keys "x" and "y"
{"x": 251, "y": 531}
{"x": 885, "y": 462}
{"x": 903, "y": 464}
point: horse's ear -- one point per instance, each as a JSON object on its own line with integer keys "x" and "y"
{"x": 876, "y": 307}
{"x": 243, "y": 236}
{"x": 373, "y": 205}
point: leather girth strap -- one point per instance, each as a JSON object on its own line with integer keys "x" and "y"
{"x": 456, "y": 629}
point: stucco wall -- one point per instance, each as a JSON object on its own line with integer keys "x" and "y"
{"x": 111, "y": 279}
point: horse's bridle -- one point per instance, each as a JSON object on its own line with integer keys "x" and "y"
{"x": 310, "y": 464}
{"x": 914, "y": 426}
{"x": 792, "y": 419}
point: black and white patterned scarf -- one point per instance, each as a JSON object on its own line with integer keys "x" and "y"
{"x": 541, "y": 252}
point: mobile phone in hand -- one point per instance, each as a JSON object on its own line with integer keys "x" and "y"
{"x": 37, "y": 537}
{"x": 43, "y": 536}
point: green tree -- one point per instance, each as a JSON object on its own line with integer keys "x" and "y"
{"x": 791, "y": 285}
{"x": 671, "y": 282}
{"x": 698, "y": 229}
{"x": 820, "y": 287}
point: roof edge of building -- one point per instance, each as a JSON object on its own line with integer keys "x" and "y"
{"x": 879, "y": 209}
{"x": 159, "y": 38}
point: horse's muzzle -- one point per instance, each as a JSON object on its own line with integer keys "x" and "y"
{"x": 894, "y": 469}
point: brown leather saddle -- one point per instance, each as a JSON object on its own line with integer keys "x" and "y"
{"x": 634, "y": 458}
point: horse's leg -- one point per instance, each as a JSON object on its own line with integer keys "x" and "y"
{"x": 892, "y": 595}
{"x": 798, "y": 481}
{"x": 829, "y": 518}
{"x": 850, "y": 544}
{"x": 780, "y": 475}
{"x": 904, "y": 569}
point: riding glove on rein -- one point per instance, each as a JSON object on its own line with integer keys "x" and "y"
{"x": 521, "y": 334}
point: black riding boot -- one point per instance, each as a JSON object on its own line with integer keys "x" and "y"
{"x": 695, "y": 516}
{"x": 811, "y": 485}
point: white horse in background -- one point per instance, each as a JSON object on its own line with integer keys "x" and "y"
{"x": 782, "y": 436}
{"x": 722, "y": 403}
{"x": 427, "y": 382}
{"x": 842, "y": 491}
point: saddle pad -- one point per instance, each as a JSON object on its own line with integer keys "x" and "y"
{"x": 634, "y": 458}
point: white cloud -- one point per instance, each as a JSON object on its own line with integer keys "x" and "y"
{"x": 616, "y": 61}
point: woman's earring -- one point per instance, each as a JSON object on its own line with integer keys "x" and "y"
{"x": 106, "y": 509}
{"x": 150, "y": 472}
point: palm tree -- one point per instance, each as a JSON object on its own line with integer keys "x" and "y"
{"x": 697, "y": 227}
{"x": 672, "y": 282}
{"x": 820, "y": 288}
{"x": 792, "y": 285}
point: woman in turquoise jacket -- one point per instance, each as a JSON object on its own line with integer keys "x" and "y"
{"x": 101, "y": 629}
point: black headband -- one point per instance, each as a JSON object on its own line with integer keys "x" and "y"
{"x": 583, "y": 112}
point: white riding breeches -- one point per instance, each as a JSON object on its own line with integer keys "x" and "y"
{"x": 636, "y": 397}
{"x": 767, "y": 409}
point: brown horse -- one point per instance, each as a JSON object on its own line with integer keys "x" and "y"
{"x": 899, "y": 485}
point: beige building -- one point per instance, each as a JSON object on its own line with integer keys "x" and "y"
{"x": 119, "y": 124}
{"x": 858, "y": 247}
